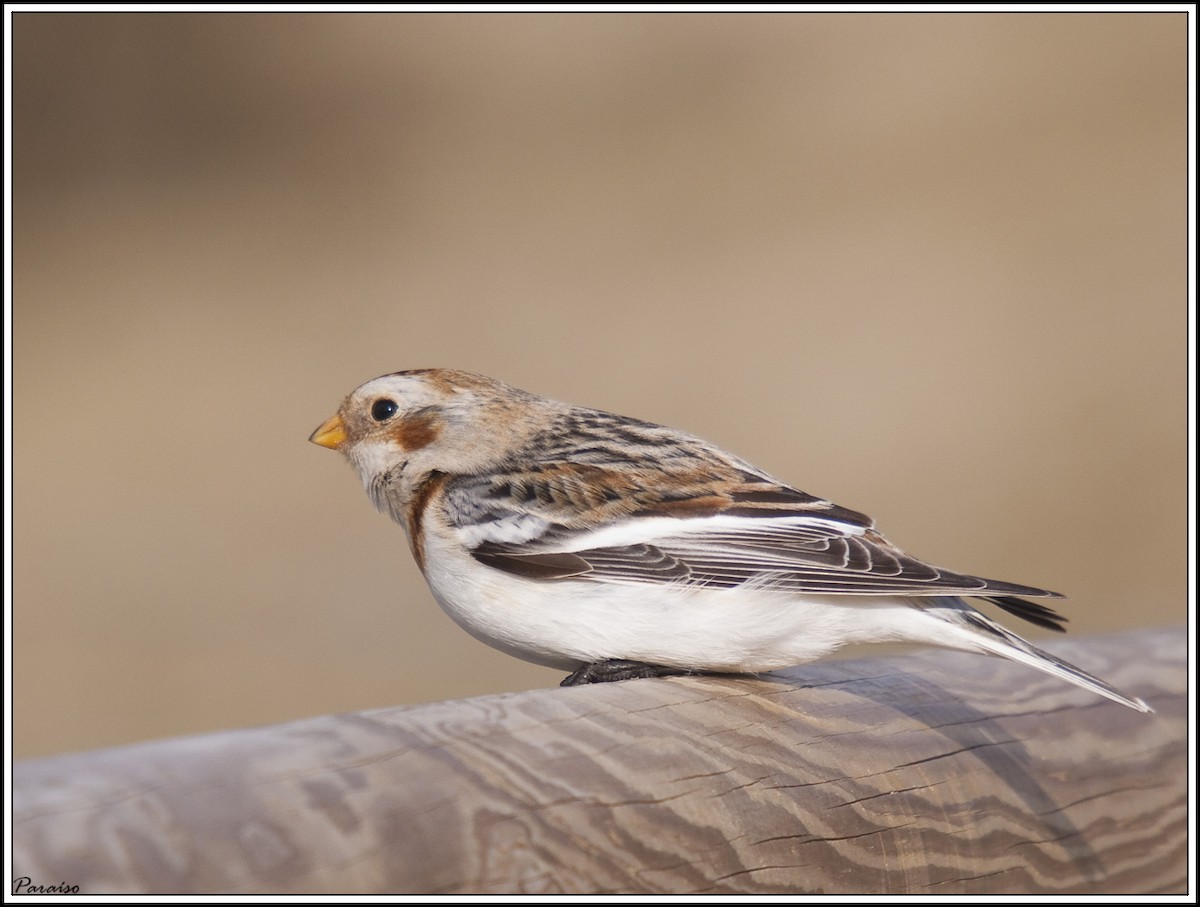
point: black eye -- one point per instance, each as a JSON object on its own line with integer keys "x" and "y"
{"x": 382, "y": 410}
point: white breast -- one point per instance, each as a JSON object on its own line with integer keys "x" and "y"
{"x": 561, "y": 623}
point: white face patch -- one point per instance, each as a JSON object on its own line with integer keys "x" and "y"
{"x": 411, "y": 392}
{"x": 373, "y": 458}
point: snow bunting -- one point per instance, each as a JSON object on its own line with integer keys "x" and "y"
{"x": 615, "y": 548}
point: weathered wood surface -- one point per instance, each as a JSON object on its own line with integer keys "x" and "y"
{"x": 933, "y": 774}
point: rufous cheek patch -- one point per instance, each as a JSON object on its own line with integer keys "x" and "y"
{"x": 417, "y": 431}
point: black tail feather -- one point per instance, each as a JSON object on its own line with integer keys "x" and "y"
{"x": 1030, "y": 611}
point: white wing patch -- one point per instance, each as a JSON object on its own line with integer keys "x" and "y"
{"x": 653, "y": 530}
{"x": 510, "y": 529}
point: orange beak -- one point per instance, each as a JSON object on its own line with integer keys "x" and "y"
{"x": 331, "y": 433}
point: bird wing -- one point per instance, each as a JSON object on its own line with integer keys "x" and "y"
{"x": 722, "y": 527}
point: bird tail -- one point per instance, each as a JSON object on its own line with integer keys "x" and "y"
{"x": 981, "y": 632}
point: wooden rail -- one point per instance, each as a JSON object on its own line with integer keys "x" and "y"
{"x": 936, "y": 773}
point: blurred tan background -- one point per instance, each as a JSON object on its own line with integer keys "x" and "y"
{"x": 930, "y": 266}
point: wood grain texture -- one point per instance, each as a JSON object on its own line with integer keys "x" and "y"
{"x": 938, "y": 773}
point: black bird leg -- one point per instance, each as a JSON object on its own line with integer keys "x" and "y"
{"x": 617, "y": 669}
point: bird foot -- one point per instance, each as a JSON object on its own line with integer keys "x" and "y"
{"x": 617, "y": 669}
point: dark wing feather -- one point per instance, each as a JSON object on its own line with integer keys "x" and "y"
{"x": 791, "y": 560}
{"x": 659, "y": 563}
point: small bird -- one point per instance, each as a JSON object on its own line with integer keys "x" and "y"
{"x": 616, "y": 548}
